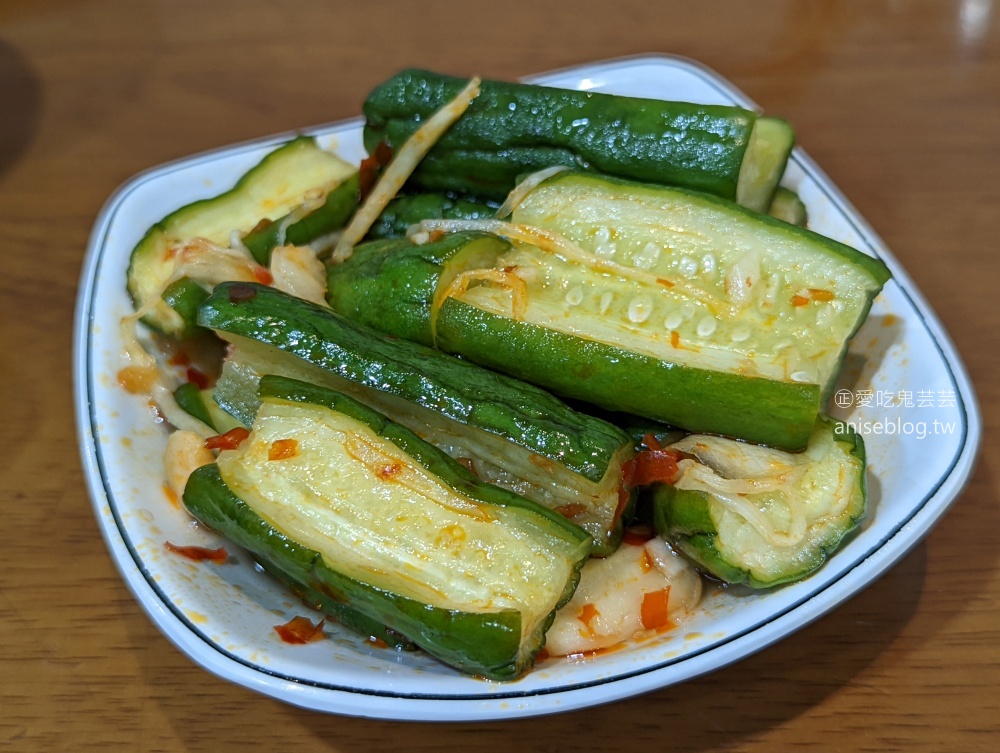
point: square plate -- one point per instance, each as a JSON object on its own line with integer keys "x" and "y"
{"x": 921, "y": 448}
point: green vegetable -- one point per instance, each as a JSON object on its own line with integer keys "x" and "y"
{"x": 182, "y": 297}
{"x": 619, "y": 378}
{"x": 295, "y": 230}
{"x": 234, "y": 524}
{"x": 513, "y": 129}
{"x": 676, "y": 306}
{"x": 694, "y": 354}
{"x": 201, "y": 404}
{"x": 788, "y": 207}
{"x": 514, "y": 435}
{"x": 408, "y": 277}
{"x": 284, "y": 181}
{"x": 413, "y": 208}
{"x": 395, "y": 529}
{"x": 822, "y": 491}
{"x": 770, "y": 146}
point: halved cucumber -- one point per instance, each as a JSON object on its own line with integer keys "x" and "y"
{"x": 295, "y": 175}
{"x": 515, "y": 435}
{"x": 677, "y": 306}
{"x": 402, "y": 534}
{"x": 754, "y": 515}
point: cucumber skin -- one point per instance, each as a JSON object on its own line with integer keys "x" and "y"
{"x": 427, "y": 377}
{"x": 778, "y": 414}
{"x": 682, "y": 517}
{"x": 408, "y": 276}
{"x": 345, "y": 615}
{"x": 484, "y": 152}
{"x": 184, "y": 296}
{"x": 404, "y": 211}
{"x": 336, "y": 210}
{"x": 188, "y": 397}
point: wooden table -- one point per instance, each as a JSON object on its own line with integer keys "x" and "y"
{"x": 899, "y": 101}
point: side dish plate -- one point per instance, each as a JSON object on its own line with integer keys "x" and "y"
{"x": 904, "y": 386}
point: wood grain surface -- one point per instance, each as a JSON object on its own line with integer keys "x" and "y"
{"x": 899, "y": 102}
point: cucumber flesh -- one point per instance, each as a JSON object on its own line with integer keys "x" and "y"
{"x": 293, "y": 174}
{"x": 745, "y": 295}
{"x": 771, "y": 143}
{"x": 788, "y": 207}
{"x": 807, "y": 504}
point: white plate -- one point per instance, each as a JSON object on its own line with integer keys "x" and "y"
{"x": 222, "y": 616}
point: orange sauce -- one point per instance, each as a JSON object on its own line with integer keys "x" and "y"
{"x": 389, "y": 471}
{"x": 282, "y": 449}
{"x": 587, "y": 614}
{"x": 138, "y": 380}
{"x": 171, "y": 496}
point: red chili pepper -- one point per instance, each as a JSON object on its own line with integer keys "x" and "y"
{"x": 651, "y": 465}
{"x": 261, "y": 226}
{"x": 300, "y": 630}
{"x": 654, "y": 612}
{"x": 366, "y": 176}
{"x": 262, "y": 276}
{"x": 228, "y": 441}
{"x": 383, "y": 153}
{"x": 371, "y": 166}
{"x": 199, "y": 553}
{"x": 197, "y": 378}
